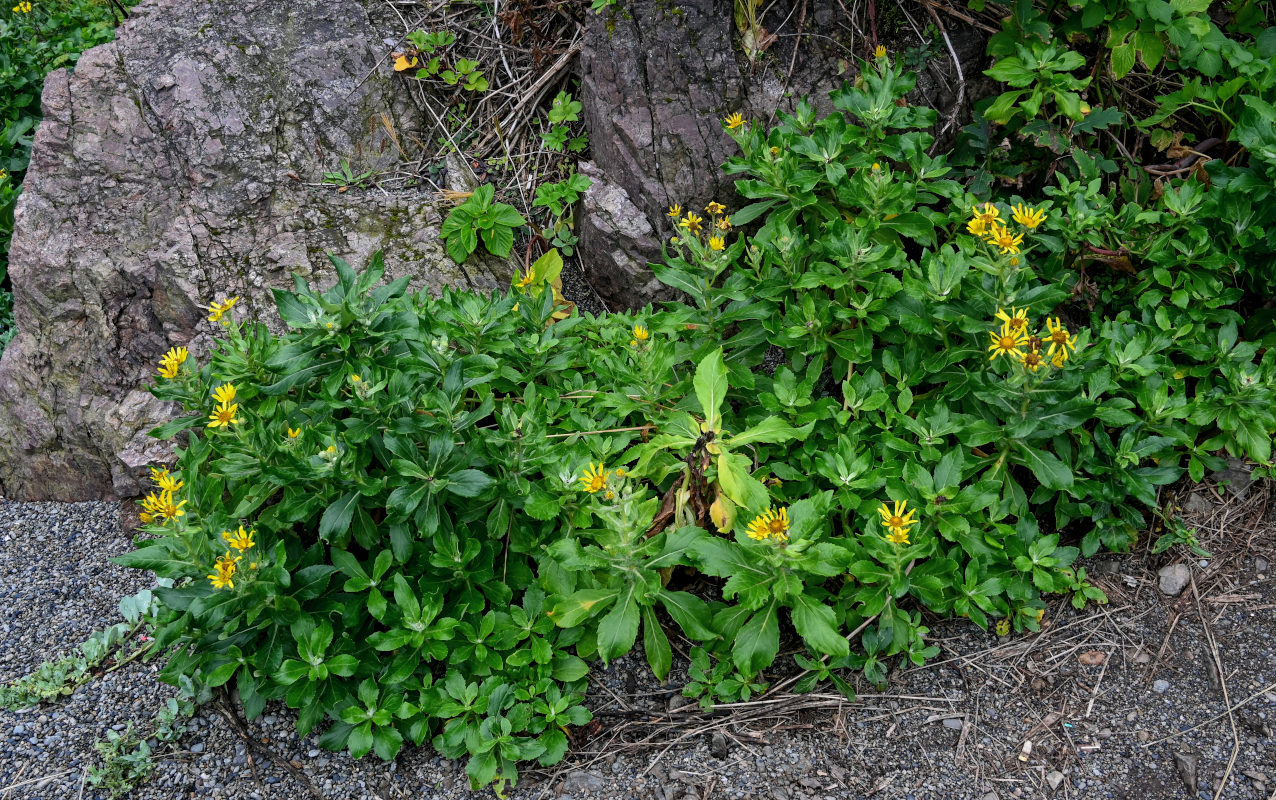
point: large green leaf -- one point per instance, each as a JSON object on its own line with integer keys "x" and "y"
{"x": 1047, "y": 467}
{"x": 817, "y": 625}
{"x": 656, "y": 645}
{"x": 710, "y": 383}
{"x": 618, "y": 631}
{"x": 758, "y": 641}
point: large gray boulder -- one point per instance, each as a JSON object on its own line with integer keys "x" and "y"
{"x": 180, "y": 163}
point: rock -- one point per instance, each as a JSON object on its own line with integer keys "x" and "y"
{"x": 180, "y": 163}
{"x": 1186, "y": 764}
{"x": 1261, "y": 566}
{"x": 1197, "y": 503}
{"x": 581, "y": 781}
{"x": 1174, "y": 578}
{"x": 198, "y": 747}
{"x": 1160, "y": 686}
{"x": 617, "y": 234}
{"x": 955, "y": 723}
{"x": 1237, "y": 477}
{"x": 718, "y": 745}
{"x": 1054, "y": 779}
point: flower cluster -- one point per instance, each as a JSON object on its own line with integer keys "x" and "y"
{"x": 23, "y": 7}
{"x": 898, "y": 521}
{"x": 692, "y": 224}
{"x": 986, "y": 223}
{"x": 1012, "y": 337}
{"x": 172, "y": 361}
{"x": 162, "y": 506}
{"x": 770, "y": 524}
{"x": 224, "y": 571}
{"x": 641, "y": 335}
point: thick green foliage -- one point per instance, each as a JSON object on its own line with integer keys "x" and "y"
{"x": 456, "y": 502}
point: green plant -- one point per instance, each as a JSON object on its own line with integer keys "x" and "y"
{"x": 417, "y": 518}
{"x": 479, "y": 217}
{"x": 344, "y": 178}
{"x": 444, "y": 66}
{"x": 558, "y": 198}
{"x": 562, "y": 114}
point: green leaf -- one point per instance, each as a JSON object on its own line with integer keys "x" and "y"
{"x": 291, "y": 671}
{"x": 742, "y": 488}
{"x": 656, "y": 644}
{"x": 360, "y": 741}
{"x": 1122, "y": 59}
{"x": 758, "y": 642}
{"x": 618, "y": 631}
{"x": 579, "y": 606}
{"x": 710, "y": 383}
{"x": 690, "y": 612}
{"x": 771, "y": 430}
{"x": 468, "y": 483}
{"x": 817, "y": 625}
{"x": 1048, "y": 469}
{"x": 336, "y": 518}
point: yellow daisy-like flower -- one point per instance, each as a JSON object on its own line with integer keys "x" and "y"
{"x": 152, "y": 506}
{"x": 988, "y": 214}
{"x": 1058, "y": 359}
{"x": 171, "y": 361}
{"x": 897, "y": 521}
{"x": 1017, "y": 319}
{"x": 167, "y": 509}
{"x": 165, "y": 481}
{"x": 1060, "y": 340}
{"x": 224, "y": 393}
{"x": 675, "y": 210}
{"x": 770, "y": 524}
{"x": 241, "y": 539}
{"x": 733, "y": 121}
{"x": 1027, "y": 216}
{"x": 224, "y": 416}
{"x": 641, "y": 333}
{"x": 717, "y": 243}
{"x": 224, "y": 571}
{"x": 724, "y": 224}
{"x": 216, "y": 310}
{"x": 715, "y": 208}
{"x": 691, "y": 222}
{"x": 595, "y": 478}
{"x": 977, "y": 227}
{"x": 1007, "y": 341}
{"x": 293, "y": 433}
{"x": 880, "y": 51}
{"x": 526, "y": 280}
{"x": 23, "y": 8}
{"x": 1001, "y": 237}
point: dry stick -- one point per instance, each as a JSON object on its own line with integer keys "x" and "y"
{"x": 13, "y": 786}
{"x": 1222, "y": 682}
{"x": 534, "y": 92}
{"x": 961, "y": 78}
{"x": 224, "y": 707}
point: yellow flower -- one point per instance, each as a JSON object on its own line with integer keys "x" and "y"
{"x": 218, "y": 309}
{"x": 170, "y": 361}
{"x": 1031, "y": 359}
{"x": 355, "y": 379}
{"x": 403, "y": 62}
{"x": 526, "y": 280}
{"x": 1027, "y": 216}
{"x": 241, "y": 539}
{"x": 691, "y": 222}
{"x": 609, "y": 495}
{"x": 23, "y": 7}
{"x": 877, "y": 167}
{"x": 675, "y": 210}
{"x": 620, "y": 472}
{"x": 641, "y": 333}
{"x": 775, "y": 151}
{"x": 715, "y": 208}
{"x": 724, "y": 224}
{"x": 1014, "y": 261}
{"x": 595, "y": 478}
{"x": 165, "y": 481}
{"x": 162, "y": 507}
{"x": 1007, "y": 341}
{"x": 293, "y": 433}
{"x": 733, "y": 121}
{"x": 1017, "y": 319}
{"x": 1060, "y": 340}
{"x": 717, "y": 243}
{"x": 1000, "y": 237}
{"x": 988, "y": 215}
{"x": 770, "y": 524}
{"x": 977, "y": 227}
{"x": 633, "y": 342}
{"x": 880, "y": 52}
{"x": 1058, "y": 359}
{"x": 224, "y": 393}
{"x": 224, "y": 571}
{"x": 224, "y": 416}
{"x": 896, "y": 521}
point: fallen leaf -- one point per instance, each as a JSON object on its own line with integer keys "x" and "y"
{"x": 1093, "y": 658}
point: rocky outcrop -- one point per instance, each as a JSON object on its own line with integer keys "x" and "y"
{"x": 183, "y": 162}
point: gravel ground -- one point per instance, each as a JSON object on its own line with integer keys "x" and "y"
{"x": 1096, "y": 694}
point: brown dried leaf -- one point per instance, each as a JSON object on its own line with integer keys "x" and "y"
{"x": 1093, "y": 658}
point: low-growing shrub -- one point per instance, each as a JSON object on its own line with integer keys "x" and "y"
{"x": 418, "y": 518}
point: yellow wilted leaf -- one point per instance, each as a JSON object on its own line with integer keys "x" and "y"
{"x": 722, "y": 512}
{"x": 402, "y": 62}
